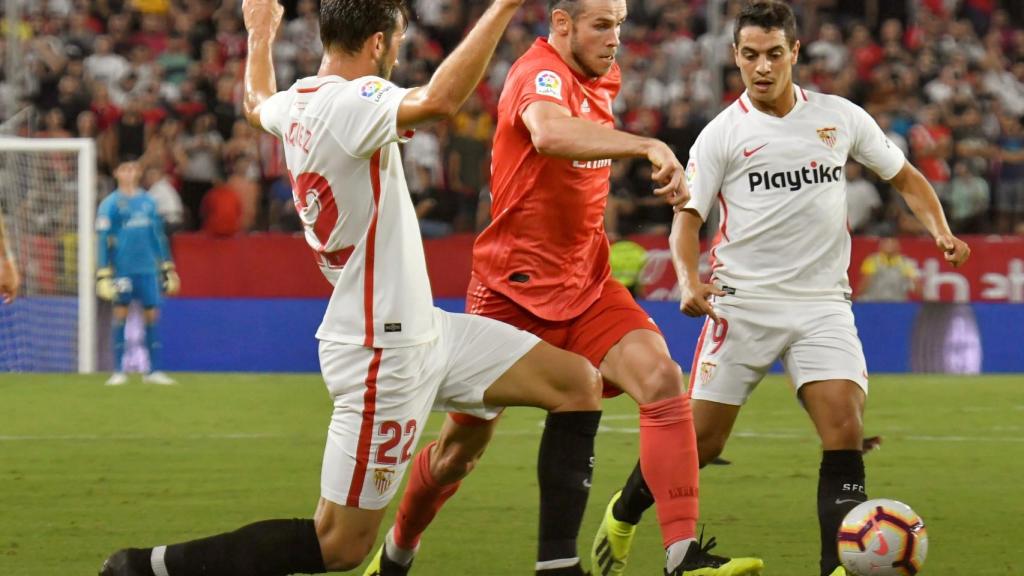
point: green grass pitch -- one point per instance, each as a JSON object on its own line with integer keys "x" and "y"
{"x": 86, "y": 469}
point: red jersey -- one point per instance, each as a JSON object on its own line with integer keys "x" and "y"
{"x": 546, "y": 247}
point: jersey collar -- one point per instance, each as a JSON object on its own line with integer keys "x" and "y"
{"x": 801, "y": 100}
{"x": 314, "y": 83}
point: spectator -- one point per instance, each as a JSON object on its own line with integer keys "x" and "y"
{"x": 167, "y": 199}
{"x": 221, "y": 211}
{"x": 1010, "y": 185}
{"x": 105, "y": 66}
{"x": 968, "y": 199}
{"x": 887, "y": 275}
{"x": 200, "y": 149}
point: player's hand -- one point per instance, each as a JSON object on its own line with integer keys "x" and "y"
{"x": 9, "y": 280}
{"x": 171, "y": 283}
{"x": 670, "y": 174}
{"x": 694, "y": 301}
{"x": 262, "y": 17}
{"x": 105, "y": 288}
{"x": 955, "y": 250}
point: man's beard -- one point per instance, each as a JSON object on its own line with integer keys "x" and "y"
{"x": 383, "y": 69}
{"x": 577, "y": 55}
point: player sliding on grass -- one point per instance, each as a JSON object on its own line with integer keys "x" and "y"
{"x": 386, "y": 353}
{"x": 774, "y": 162}
{"x": 542, "y": 265}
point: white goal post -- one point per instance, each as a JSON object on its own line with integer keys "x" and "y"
{"x": 48, "y": 196}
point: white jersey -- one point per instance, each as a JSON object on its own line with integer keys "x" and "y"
{"x": 341, "y": 147}
{"x": 782, "y": 190}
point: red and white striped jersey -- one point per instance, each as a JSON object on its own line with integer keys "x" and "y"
{"x": 781, "y": 186}
{"x": 341, "y": 148}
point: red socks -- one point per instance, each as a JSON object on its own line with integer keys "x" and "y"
{"x": 421, "y": 501}
{"x": 668, "y": 458}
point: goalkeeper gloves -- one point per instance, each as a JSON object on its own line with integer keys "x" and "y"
{"x": 105, "y": 288}
{"x": 171, "y": 282}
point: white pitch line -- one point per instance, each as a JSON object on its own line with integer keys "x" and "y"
{"x": 128, "y": 437}
{"x": 433, "y": 433}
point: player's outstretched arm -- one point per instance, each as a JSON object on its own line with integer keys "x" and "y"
{"x": 262, "y": 19}
{"x": 459, "y": 73}
{"x": 685, "y": 244}
{"x": 924, "y": 203}
{"x": 556, "y": 132}
{"x": 9, "y": 279}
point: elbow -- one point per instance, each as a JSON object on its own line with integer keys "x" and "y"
{"x": 440, "y": 107}
{"x": 544, "y": 142}
{"x": 251, "y": 113}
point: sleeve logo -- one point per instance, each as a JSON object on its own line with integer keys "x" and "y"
{"x": 549, "y": 84}
{"x": 374, "y": 90}
{"x": 691, "y": 172}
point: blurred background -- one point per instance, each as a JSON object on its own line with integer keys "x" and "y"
{"x": 162, "y": 80}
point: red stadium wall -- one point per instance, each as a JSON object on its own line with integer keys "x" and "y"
{"x": 282, "y": 266}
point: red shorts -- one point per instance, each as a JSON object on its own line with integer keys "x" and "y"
{"x": 591, "y": 334}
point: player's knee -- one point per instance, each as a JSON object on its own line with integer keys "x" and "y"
{"x": 580, "y": 388}
{"x": 844, "y": 432}
{"x": 343, "y": 554}
{"x": 662, "y": 381}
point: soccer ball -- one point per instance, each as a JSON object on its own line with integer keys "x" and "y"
{"x": 882, "y": 538}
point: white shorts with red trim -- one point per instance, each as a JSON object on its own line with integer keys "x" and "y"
{"x": 382, "y": 397}
{"x": 815, "y": 340}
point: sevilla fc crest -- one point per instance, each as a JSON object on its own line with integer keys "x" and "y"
{"x": 707, "y": 368}
{"x": 382, "y": 479}
{"x": 828, "y": 136}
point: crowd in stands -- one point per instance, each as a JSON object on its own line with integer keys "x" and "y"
{"x": 161, "y": 80}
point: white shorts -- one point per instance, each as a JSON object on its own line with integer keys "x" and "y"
{"x": 382, "y": 397}
{"x": 816, "y": 340}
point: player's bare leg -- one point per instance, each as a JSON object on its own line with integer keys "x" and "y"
{"x": 345, "y": 534}
{"x": 836, "y": 407}
{"x": 713, "y": 422}
{"x": 547, "y": 377}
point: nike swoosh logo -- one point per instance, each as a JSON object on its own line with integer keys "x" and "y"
{"x": 749, "y": 153}
{"x": 845, "y": 500}
{"x": 883, "y": 546}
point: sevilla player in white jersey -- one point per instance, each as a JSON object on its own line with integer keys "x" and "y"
{"x": 387, "y": 354}
{"x": 773, "y": 162}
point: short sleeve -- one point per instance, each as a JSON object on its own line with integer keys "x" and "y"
{"x": 541, "y": 85}
{"x": 872, "y": 148}
{"x": 274, "y": 113}
{"x": 705, "y": 171}
{"x": 364, "y": 116}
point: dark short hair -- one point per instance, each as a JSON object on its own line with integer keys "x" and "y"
{"x": 570, "y": 6}
{"x": 768, "y": 15}
{"x": 346, "y": 24}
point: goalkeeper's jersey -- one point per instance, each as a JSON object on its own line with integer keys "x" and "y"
{"x": 130, "y": 234}
{"x": 341, "y": 147}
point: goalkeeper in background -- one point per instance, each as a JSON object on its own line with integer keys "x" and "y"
{"x": 9, "y": 279}
{"x": 134, "y": 264}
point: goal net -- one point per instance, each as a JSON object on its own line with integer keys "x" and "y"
{"x": 48, "y": 195}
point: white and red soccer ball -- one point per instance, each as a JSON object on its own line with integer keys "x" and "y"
{"x": 882, "y": 538}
